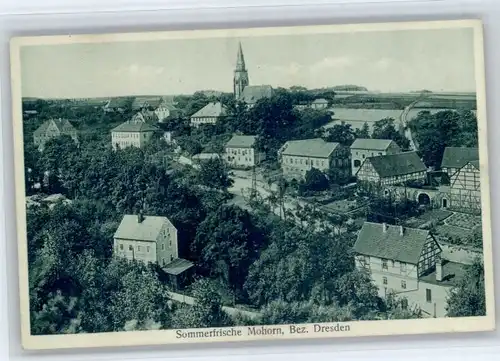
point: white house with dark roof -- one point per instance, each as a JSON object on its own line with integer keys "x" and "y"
{"x": 320, "y": 103}
{"x": 150, "y": 239}
{"x": 363, "y": 148}
{"x": 407, "y": 262}
{"x": 454, "y": 158}
{"x": 392, "y": 169}
{"x": 51, "y": 129}
{"x": 133, "y": 133}
{"x": 299, "y": 156}
{"x": 240, "y": 152}
{"x": 209, "y": 114}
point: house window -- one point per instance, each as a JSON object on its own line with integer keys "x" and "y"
{"x": 357, "y": 163}
{"x": 403, "y": 267}
{"x": 428, "y": 295}
{"x": 384, "y": 264}
{"x": 384, "y": 280}
{"x": 392, "y": 263}
{"x": 130, "y": 248}
{"x": 363, "y": 156}
{"x": 163, "y": 246}
{"x": 139, "y": 248}
{"x": 403, "y": 285}
{"x": 147, "y": 249}
{"x": 404, "y": 304}
{"x": 170, "y": 242}
{"x": 171, "y": 258}
{"x": 163, "y": 262}
{"x": 121, "y": 247}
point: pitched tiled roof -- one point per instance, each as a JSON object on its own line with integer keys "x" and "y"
{"x": 211, "y": 110}
{"x": 241, "y": 141}
{"x": 320, "y": 101}
{"x": 252, "y": 93}
{"x": 316, "y": 147}
{"x": 371, "y": 144}
{"x": 63, "y": 125}
{"x": 177, "y": 266}
{"x": 457, "y": 157}
{"x": 373, "y": 241}
{"x": 147, "y": 230}
{"x": 135, "y": 126}
{"x": 140, "y": 102}
{"x": 397, "y": 164}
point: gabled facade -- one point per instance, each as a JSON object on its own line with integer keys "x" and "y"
{"x": 299, "y": 156}
{"x": 241, "y": 152}
{"x": 133, "y": 133}
{"x": 51, "y": 129}
{"x": 454, "y": 158}
{"x": 165, "y": 111}
{"x": 392, "y": 169}
{"x": 364, "y": 148}
{"x": 209, "y": 114}
{"x": 465, "y": 188}
{"x": 408, "y": 263}
{"x": 151, "y": 239}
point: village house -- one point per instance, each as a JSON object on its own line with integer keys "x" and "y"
{"x": 392, "y": 169}
{"x": 166, "y": 111}
{"x": 407, "y": 262}
{"x": 465, "y": 188}
{"x": 146, "y": 103}
{"x": 455, "y": 158}
{"x": 51, "y": 129}
{"x": 240, "y": 152}
{"x": 209, "y": 114}
{"x": 363, "y": 148}
{"x": 133, "y": 133}
{"x": 151, "y": 239}
{"x": 299, "y": 156}
{"x": 320, "y": 103}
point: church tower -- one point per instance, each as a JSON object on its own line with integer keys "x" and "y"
{"x": 240, "y": 74}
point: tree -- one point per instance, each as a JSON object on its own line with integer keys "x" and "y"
{"x": 364, "y": 132}
{"x": 340, "y": 133}
{"x": 315, "y": 180}
{"x": 385, "y": 129}
{"x": 467, "y": 297}
{"x": 213, "y": 173}
{"x": 206, "y": 312}
{"x": 227, "y": 242}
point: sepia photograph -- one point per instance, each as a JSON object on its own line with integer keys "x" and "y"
{"x": 252, "y": 184}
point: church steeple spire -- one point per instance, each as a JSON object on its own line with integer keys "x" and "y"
{"x": 240, "y": 74}
{"x": 240, "y": 60}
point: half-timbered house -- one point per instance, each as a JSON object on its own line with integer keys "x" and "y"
{"x": 454, "y": 158}
{"x": 465, "y": 188}
{"x": 392, "y": 169}
{"x": 407, "y": 262}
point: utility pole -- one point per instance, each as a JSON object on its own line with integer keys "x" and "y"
{"x": 253, "y": 191}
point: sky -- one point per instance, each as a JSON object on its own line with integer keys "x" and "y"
{"x": 388, "y": 61}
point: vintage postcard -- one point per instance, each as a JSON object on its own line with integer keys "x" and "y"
{"x": 252, "y": 184}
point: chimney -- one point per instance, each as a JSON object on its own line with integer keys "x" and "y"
{"x": 384, "y": 227}
{"x": 401, "y": 230}
{"x": 439, "y": 269}
{"x": 140, "y": 217}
